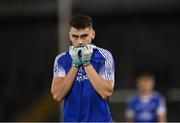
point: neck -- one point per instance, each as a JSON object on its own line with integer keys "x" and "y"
{"x": 145, "y": 93}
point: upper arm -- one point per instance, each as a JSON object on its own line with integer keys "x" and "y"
{"x": 161, "y": 110}
{"x": 129, "y": 112}
{"x": 107, "y": 70}
{"x": 55, "y": 79}
{"x": 161, "y": 107}
{"x": 58, "y": 70}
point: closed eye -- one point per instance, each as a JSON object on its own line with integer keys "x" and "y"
{"x": 74, "y": 36}
{"x": 84, "y": 35}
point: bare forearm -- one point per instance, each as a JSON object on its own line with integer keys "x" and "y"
{"x": 130, "y": 120}
{"x": 61, "y": 86}
{"x": 162, "y": 118}
{"x": 102, "y": 87}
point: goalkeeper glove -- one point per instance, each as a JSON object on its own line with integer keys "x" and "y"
{"x": 87, "y": 52}
{"x": 74, "y": 52}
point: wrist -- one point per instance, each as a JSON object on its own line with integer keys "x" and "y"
{"x": 87, "y": 64}
{"x": 74, "y": 67}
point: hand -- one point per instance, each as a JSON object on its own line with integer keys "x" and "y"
{"x": 74, "y": 53}
{"x": 87, "y": 52}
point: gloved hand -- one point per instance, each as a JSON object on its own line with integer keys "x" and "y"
{"x": 87, "y": 52}
{"x": 74, "y": 52}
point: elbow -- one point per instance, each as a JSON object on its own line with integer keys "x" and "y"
{"x": 106, "y": 95}
{"x": 56, "y": 97}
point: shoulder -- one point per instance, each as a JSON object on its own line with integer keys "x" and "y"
{"x": 60, "y": 56}
{"x": 105, "y": 53}
{"x": 133, "y": 98}
{"x": 158, "y": 96}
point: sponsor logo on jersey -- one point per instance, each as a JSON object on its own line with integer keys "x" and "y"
{"x": 81, "y": 75}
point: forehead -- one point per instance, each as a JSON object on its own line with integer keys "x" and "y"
{"x": 145, "y": 80}
{"x": 79, "y": 31}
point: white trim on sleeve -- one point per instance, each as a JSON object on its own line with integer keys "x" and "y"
{"x": 108, "y": 70}
{"x": 129, "y": 113}
{"x": 58, "y": 70}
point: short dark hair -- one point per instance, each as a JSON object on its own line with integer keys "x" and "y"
{"x": 81, "y": 21}
{"x": 146, "y": 75}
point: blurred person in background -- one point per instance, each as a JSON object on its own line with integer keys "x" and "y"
{"x": 147, "y": 105}
{"x": 84, "y": 75}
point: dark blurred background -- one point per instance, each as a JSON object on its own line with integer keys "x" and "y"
{"x": 142, "y": 36}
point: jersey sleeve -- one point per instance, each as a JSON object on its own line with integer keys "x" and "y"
{"x": 161, "y": 110}
{"x": 107, "y": 71}
{"x": 129, "y": 113}
{"x": 58, "y": 70}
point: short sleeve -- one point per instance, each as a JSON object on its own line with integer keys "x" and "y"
{"x": 129, "y": 113}
{"x": 58, "y": 70}
{"x": 107, "y": 70}
{"x": 161, "y": 110}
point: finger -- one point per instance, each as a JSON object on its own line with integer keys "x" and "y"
{"x": 70, "y": 48}
{"x": 92, "y": 46}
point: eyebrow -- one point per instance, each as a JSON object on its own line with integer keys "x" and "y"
{"x": 80, "y": 35}
{"x": 73, "y": 35}
{"x": 83, "y": 35}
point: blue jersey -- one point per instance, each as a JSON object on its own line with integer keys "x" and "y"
{"x": 83, "y": 103}
{"x": 146, "y": 109}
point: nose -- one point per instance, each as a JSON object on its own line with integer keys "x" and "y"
{"x": 80, "y": 42}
